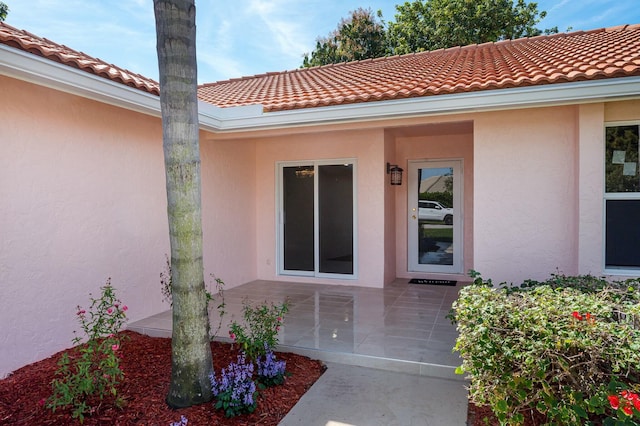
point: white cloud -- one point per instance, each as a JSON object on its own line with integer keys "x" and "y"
{"x": 287, "y": 23}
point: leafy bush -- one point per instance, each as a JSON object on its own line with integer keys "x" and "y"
{"x": 95, "y": 372}
{"x": 562, "y": 347}
{"x": 259, "y": 333}
{"x": 235, "y": 391}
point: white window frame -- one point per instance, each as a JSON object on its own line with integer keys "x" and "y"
{"x": 279, "y": 218}
{"x": 608, "y": 270}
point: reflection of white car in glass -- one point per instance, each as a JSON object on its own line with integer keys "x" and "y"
{"x": 433, "y": 210}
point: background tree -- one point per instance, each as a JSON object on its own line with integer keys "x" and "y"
{"x": 4, "y": 9}
{"x": 191, "y": 361}
{"x": 436, "y": 24}
{"x": 423, "y": 25}
{"x": 360, "y": 36}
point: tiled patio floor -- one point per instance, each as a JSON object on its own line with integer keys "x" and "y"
{"x": 402, "y": 327}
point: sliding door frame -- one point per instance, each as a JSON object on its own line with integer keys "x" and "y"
{"x": 280, "y": 216}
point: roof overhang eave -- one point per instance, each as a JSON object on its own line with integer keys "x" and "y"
{"x": 590, "y": 91}
{"x": 45, "y": 72}
{"x": 25, "y": 66}
{"x": 41, "y": 71}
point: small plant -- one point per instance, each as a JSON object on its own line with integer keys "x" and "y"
{"x": 95, "y": 372}
{"x": 235, "y": 391}
{"x": 259, "y": 333}
{"x": 165, "y": 283}
{"x": 270, "y": 371}
{"x": 182, "y": 422}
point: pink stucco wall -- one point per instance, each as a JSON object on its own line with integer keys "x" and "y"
{"x": 525, "y": 201}
{"x": 588, "y": 226}
{"x": 622, "y": 111}
{"x": 390, "y": 196}
{"x": 229, "y": 211}
{"x": 82, "y": 190}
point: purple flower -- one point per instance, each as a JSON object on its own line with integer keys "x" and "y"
{"x": 235, "y": 388}
{"x": 270, "y": 371}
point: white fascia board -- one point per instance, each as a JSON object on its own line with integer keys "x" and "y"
{"x": 45, "y": 72}
{"x": 212, "y": 118}
{"x": 502, "y": 99}
{"x": 28, "y": 67}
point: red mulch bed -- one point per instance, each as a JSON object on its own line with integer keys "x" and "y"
{"x": 146, "y": 363}
{"x": 483, "y": 416}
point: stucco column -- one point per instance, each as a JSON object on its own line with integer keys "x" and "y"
{"x": 590, "y": 187}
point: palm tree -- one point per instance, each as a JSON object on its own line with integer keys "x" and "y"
{"x": 191, "y": 362}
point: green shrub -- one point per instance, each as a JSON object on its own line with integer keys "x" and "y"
{"x": 259, "y": 332}
{"x": 93, "y": 374}
{"x": 562, "y": 347}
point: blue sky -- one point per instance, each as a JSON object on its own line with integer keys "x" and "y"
{"x": 237, "y": 38}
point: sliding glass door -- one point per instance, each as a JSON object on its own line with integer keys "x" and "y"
{"x": 316, "y": 214}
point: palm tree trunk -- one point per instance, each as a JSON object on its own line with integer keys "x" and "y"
{"x": 191, "y": 361}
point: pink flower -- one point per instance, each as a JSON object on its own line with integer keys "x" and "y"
{"x": 106, "y": 376}
{"x": 110, "y": 311}
{"x": 115, "y": 347}
{"x": 41, "y": 402}
{"x": 576, "y": 315}
{"x": 232, "y": 335}
{"x": 124, "y": 307}
{"x": 81, "y": 312}
{"x": 279, "y": 319}
{"x": 111, "y": 335}
{"x": 278, "y": 328}
{"x": 614, "y": 401}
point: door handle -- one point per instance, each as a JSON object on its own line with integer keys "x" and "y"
{"x": 413, "y": 217}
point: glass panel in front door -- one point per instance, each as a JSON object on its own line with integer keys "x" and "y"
{"x": 435, "y": 243}
{"x": 435, "y": 216}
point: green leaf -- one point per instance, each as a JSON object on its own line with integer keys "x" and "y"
{"x": 502, "y": 406}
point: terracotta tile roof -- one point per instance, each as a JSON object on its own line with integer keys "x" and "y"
{"x": 59, "y": 53}
{"x": 559, "y": 58}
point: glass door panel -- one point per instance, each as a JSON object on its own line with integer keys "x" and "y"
{"x": 335, "y": 216}
{"x": 298, "y": 217}
{"x": 435, "y": 227}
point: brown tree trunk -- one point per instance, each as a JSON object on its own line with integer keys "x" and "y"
{"x": 191, "y": 362}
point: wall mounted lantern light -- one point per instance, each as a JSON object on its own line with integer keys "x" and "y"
{"x": 396, "y": 173}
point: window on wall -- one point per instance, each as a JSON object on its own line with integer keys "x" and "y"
{"x": 622, "y": 197}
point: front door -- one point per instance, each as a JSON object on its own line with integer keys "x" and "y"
{"x": 435, "y": 216}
